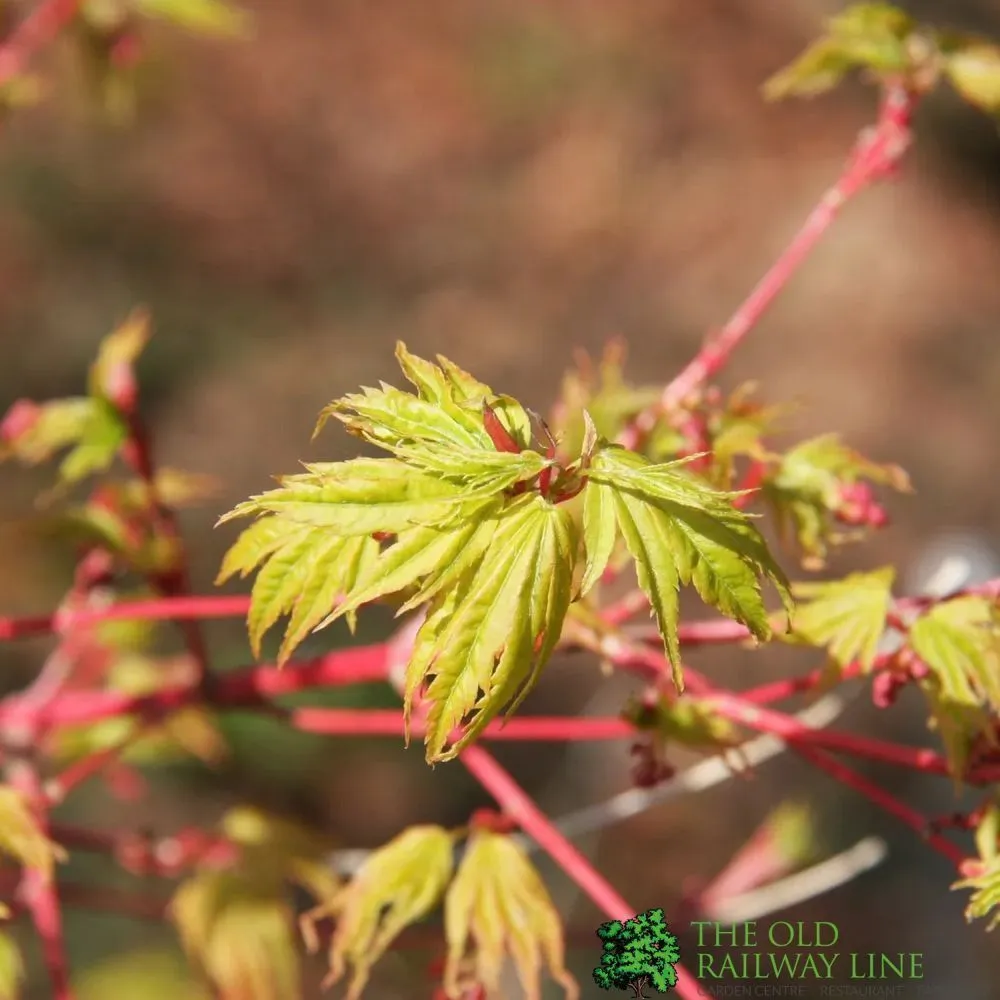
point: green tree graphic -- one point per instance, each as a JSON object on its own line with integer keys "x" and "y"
{"x": 639, "y": 952}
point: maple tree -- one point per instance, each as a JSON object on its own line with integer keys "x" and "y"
{"x": 494, "y": 533}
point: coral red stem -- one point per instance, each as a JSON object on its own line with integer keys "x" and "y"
{"x": 38, "y": 29}
{"x": 357, "y": 722}
{"x": 241, "y": 689}
{"x": 876, "y": 155}
{"x": 885, "y": 801}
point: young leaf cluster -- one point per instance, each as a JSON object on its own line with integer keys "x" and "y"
{"x": 982, "y": 876}
{"x": 237, "y": 923}
{"x": 810, "y": 489}
{"x": 398, "y": 885}
{"x": 474, "y": 517}
{"x": 885, "y": 43}
{"x": 959, "y": 642}
{"x": 112, "y": 43}
{"x": 90, "y": 429}
{"x": 495, "y": 907}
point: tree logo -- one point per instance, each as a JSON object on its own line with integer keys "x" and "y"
{"x": 639, "y": 952}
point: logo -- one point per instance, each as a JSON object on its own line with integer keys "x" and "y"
{"x": 639, "y": 954}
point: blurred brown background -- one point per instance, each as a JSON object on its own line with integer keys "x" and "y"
{"x": 501, "y": 183}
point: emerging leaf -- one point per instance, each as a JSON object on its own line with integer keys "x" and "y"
{"x": 986, "y": 892}
{"x": 279, "y": 848}
{"x": 189, "y": 731}
{"x": 91, "y": 428}
{"x": 962, "y": 728}
{"x": 459, "y": 530}
{"x": 111, "y": 374}
{"x": 690, "y": 722}
{"x": 813, "y": 486}
{"x": 398, "y": 885}
{"x": 602, "y": 391}
{"x": 451, "y": 409}
{"x": 959, "y": 642}
{"x": 679, "y": 531}
{"x": 498, "y": 906}
{"x": 22, "y": 839}
{"x": 239, "y": 931}
{"x": 738, "y": 429}
{"x": 847, "y": 616}
{"x": 238, "y": 925}
{"x": 871, "y": 36}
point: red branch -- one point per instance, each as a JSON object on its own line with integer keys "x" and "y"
{"x": 153, "y": 609}
{"x": 876, "y": 155}
{"x": 799, "y": 736}
{"x": 39, "y": 28}
{"x": 888, "y": 803}
{"x": 389, "y": 722}
{"x": 247, "y": 688}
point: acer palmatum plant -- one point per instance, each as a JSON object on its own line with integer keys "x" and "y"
{"x": 494, "y": 533}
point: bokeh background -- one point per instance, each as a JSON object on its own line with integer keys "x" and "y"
{"x": 503, "y": 183}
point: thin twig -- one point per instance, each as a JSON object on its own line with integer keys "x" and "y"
{"x": 875, "y": 156}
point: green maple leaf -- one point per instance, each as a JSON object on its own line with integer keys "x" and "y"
{"x": 302, "y": 572}
{"x": 467, "y": 518}
{"x": 959, "y": 641}
{"x": 313, "y": 541}
{"x": 487, "y": 636}
{"x": 847, "y": 616}
{"x": 496, "y": 568}
{"x": 870, "y": 36}
{"x": 679, "y": 531}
